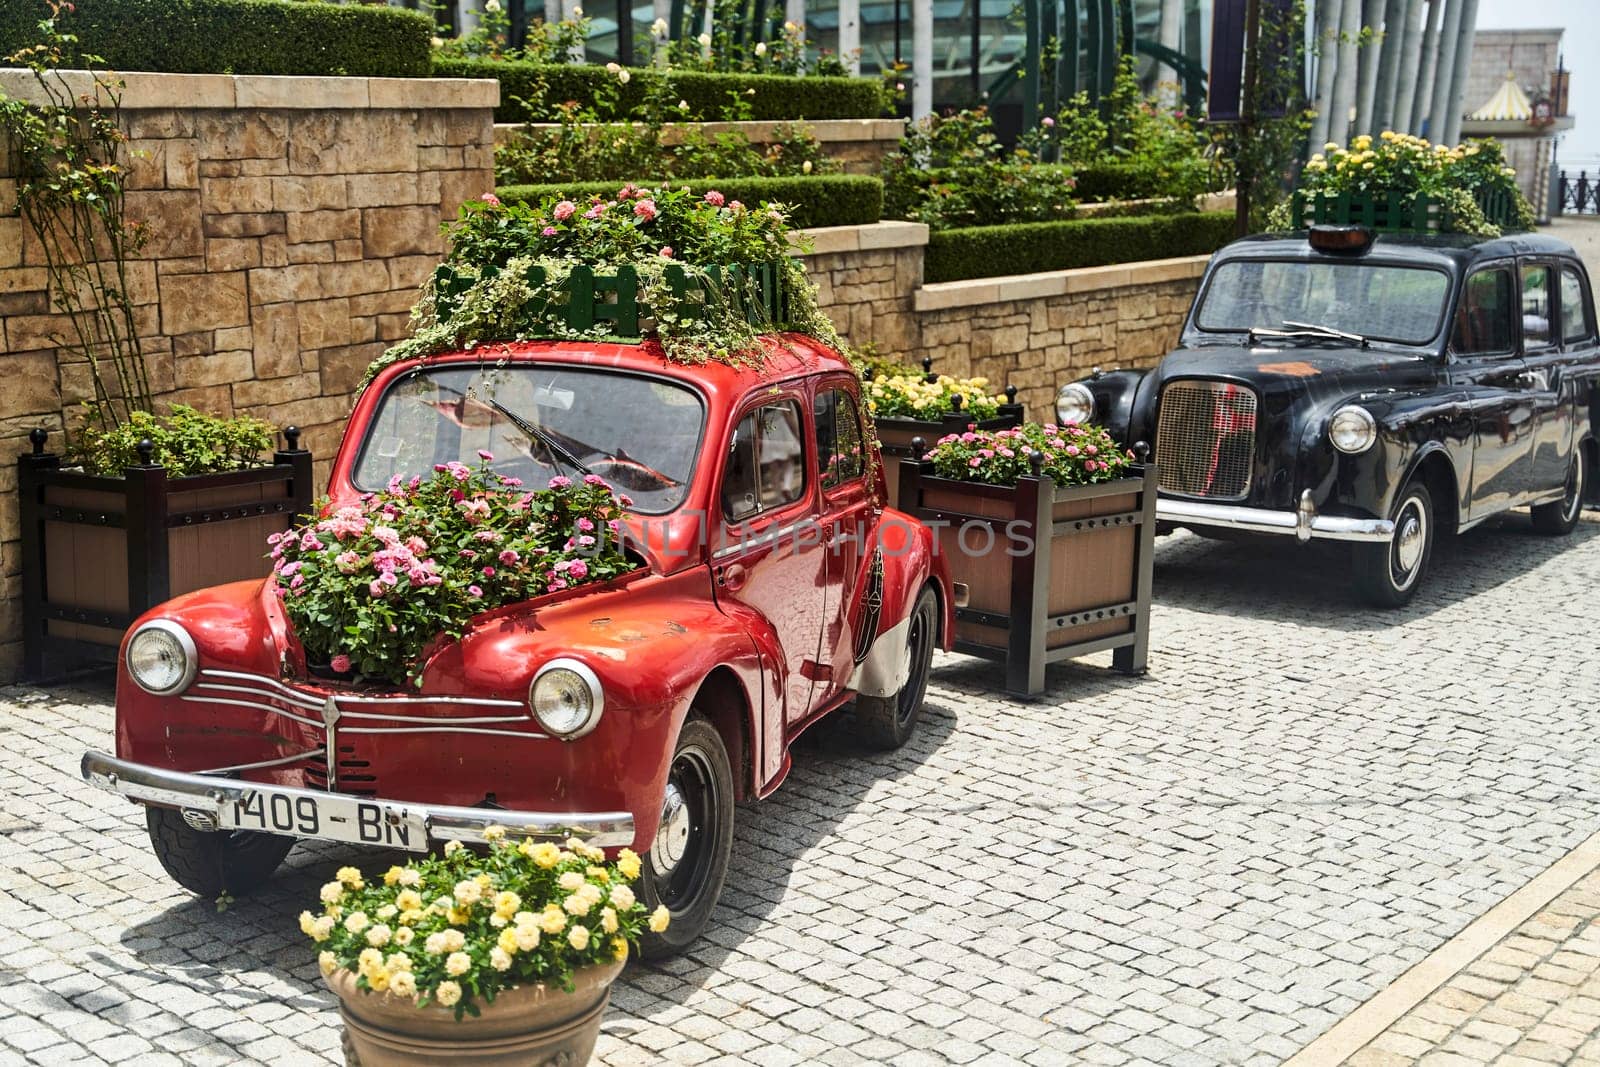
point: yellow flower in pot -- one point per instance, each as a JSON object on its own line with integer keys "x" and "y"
{"x": 501, "y": 956}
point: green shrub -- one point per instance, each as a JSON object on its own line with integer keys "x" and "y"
{"x": 232, "y": 36}
{"x": 187, "y": 442}
{"x": 820, "y": 200}
{"x": 577, "y": 151}
{"x": 1119, "y": 181}
{"x": 1029, "y": 247}
{"x": 532, "y": 92}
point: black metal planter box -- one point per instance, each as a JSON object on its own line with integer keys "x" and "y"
{"x": 1042, "y": 572}
{"x": 98, "y": 552}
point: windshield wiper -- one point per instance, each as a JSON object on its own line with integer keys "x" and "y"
{"x": 1309, "y": 329}
{"x": 543, "y": 436}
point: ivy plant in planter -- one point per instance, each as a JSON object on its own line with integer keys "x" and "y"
{"x": 907, "y": 407}
{"x": 1049, "y": 532}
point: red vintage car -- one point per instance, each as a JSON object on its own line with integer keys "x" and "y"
{"x": 773, "y": 588}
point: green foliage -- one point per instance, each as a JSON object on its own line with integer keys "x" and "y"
{"x": 1025, "y": 248}
{"x": 372, "y": 585}
{"x": 232, "y": 36}
{"x": 818, "y": 200}
{"x": 952, "y": 170}
{"x": 534, "y": 92}
{"x": 545, "y": 42}
{"x": 728, "y": 51}
{"x": 1073, "y": 455}
{"x": 186, "y": 442}
{"x": 71, "y": 180}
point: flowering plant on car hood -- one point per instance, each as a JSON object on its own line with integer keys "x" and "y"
{"x": 1073, "y": 454}
{"x": 452, "y": 928}
{"x": 370, "y": 586}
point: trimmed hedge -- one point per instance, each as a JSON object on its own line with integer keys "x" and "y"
{"x": 817, "y": 200}
{"x": 233, "y": 36}
{"x": 530, "y": 92}
{"x": 1119, "y": 181}
{"x": 1030, "y": 247}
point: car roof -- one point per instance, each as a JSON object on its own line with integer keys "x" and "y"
{"x": 1448, "y": 250}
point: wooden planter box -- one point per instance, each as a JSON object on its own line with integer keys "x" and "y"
{"x": 98, "y": 552}
{"x": 1083, "y": 588}
{"x": 896, "y": 435}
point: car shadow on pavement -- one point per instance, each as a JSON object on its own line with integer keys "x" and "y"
{"x": 1312, "y": 585}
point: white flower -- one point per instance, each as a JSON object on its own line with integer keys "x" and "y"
{"x": 356, "y": 922}
{"x": 705, "y": 40}
{"x": 403, "y": 984}
{"x": 491, "y": 5}
{"x": 404, "y": 936}
{"x": 622, "y": 897}
{"x": 332, "y": 893}
{"x": 327, "y": 963}
{"x": 322, "y": 929}
{"x": 805, "y": 168}
{"x": 379, "y": 935}
{"x": 659, "y": 27}
{"x": 447, "y": 994}
{"x": 577, "y": 13}
{"x": 578, "y": 904}
{"x": 570, "y": 881}
{"x": 499, "y": 960}
{"x": 452, "y": 847}
{"x": 397, "y": 962}
{"x": 578, "y": 937}
{"x": 761, "y": 48}
{"x": 457, "y": 964}
{"x": 613, "y": 67}
{"x": 683, "y": 105}
{"x": 623, "y": 76}
{"x": 527, "y": 938}
{"x": 468, "y": 892}
{"x": 409, "y": 877}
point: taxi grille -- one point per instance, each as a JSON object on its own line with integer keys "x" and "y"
{"x": 1206, "y": 438}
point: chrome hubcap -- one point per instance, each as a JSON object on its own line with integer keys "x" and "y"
{"x": 672, "y": 836}
{"x": 1410, "y": 537}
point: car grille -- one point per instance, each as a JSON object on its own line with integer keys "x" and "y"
{"x": 1206, "y": 438}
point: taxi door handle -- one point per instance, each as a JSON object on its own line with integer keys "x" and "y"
{"x": 732, "y": 577}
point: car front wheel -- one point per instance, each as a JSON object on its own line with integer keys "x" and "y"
{"x": 1560, "y": 517}
{"x": 1389, "y": 573}
{"x": 688, "y": 860}
{"x": 211, "y": 862}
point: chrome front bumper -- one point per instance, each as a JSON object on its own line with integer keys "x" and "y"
{"x": 1303, "y": 522}
{"x": 206, "y": 794}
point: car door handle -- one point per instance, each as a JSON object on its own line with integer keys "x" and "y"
{"x": 732, "y": 577}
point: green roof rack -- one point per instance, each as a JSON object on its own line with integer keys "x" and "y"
{"x": 585, "y": 298}
{"x": 1391, "y": 212}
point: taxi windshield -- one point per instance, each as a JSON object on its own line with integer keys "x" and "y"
{"x": 639, "y": 433}
{"x": 1377, "y": 301}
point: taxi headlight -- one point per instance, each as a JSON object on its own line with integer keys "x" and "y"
{"x": 161, "y": 657}
{"x": 566, "y": 698}
{"x": 1074, "y": 403}
{"x": 1352, "y": 429}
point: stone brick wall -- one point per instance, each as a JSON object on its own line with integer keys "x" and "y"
{"x": 291, "y": 221}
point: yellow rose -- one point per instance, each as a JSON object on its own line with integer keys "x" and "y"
{"x": 457, "y": 964}
{"x": 370, "y": 960}
{"x": 578, "y": 937}
{"x": 447, "y": 994}
{"x": 622, "y": 897}
{"x": 378, "y": 981}
{"x": 599, "y": 874}
{"x": 552, "y": 921}
{"x": 397, "y": 962}
{"x": 391, "y": 876}
{"x": 403, "y": 984}
{"x": 404, "y": 936}
{"x": 322, "y": 929}
{"x": 409, "y": 900}
{"x": 499, "y": 959}
{"x": 507, "y": 941}
{"x": 332, "y": 893}
{"x": 387, "y": 912}
{"x": 459, "y": 916}
{"x": 659, "y": 919}
{"x": 307, "y": 923}
{"x": 492, "y": 834}
{"x": 506, "y": 904}
{"x": 578, "y": 904}
{"x": 619, "y": 949}
{"x": 412, "y": 917}
{"x": 410, "y": 877}
{"x": 468, "y": 892}
{"x": 527, "y": 938}
{"x": 450, "y": 849}
{"x": 608, "y": 921}
{"x": 454, "y": 940}
{"x": 570, "y": 881}
{"x": 545, "y": 855}
{"x": 327, "y": 963}
{"x": 357, "y": 922}
{"x": 379, "y": 935}
{"x": 350, "y": 876}
{"x": 628, "y": 864}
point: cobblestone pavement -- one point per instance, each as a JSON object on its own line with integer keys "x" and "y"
{"x": 1531, "y": 1000}
{"x": 1209, "y": 864}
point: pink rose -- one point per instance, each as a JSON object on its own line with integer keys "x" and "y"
{"x": 486, "y": 456}
{"x": 715, "y": 199}
{"x": 491, "y": 200}
{"x": 560, "y": 481}
{"x": 474, "y": 590}
{"x": 579, "y": 569}
{"x": 488, "y": 572}
{"x": 1047, "y": 121}
{"x": 341, "y": 662}
{"x": 376, "y": 588}
{"x": 564, "y": 210}
{"x": 548, "y": 231}
{"x": 645, "y": 209}
{"x": 666, "y": 252}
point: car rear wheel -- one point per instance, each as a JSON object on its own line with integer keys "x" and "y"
{"x": 211, "y": 862}
{"x": 688, "y": 860}
{"x": 1388, "y": 574}
{"x": 1560, "y": 517}
{"x": 888, "y": 722}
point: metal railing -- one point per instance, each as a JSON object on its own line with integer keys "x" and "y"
{"x": 1579, "y": 195}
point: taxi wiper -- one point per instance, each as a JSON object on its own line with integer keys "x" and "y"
{"x": 1309, "y": 329}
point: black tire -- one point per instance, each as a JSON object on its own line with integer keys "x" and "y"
{"x": 210, "y": 863}
{"x": 1387, "y": 575}
{"x": 1560, "y": 517}
{"x": 688, "y": 861}
{"x": 888, "y": 722}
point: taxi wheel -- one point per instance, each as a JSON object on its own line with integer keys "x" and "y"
{"x": 688, "y": 859}
{"x": 888, "y": 722}
{"x": 1560, "y": 517}
{"x": 1388, "y": 574}
{"x": 211, "y": 862}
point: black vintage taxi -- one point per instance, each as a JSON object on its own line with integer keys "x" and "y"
{"x": 1379, "y": 389}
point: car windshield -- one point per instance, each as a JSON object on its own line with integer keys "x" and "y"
{"x": 1379, "y": 301}
{"x": 639, "y": 433}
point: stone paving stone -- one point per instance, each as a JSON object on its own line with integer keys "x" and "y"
{"x": 1208, "y": 864}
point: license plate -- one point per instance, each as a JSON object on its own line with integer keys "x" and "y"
{"x": 330, "y": 817}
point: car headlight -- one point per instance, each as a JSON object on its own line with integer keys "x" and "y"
{"x": 1352, "y": 429}
{"x": 1074, "y": 403}
{"x": 162, "y": 658}
{"x": 566, "y": 698}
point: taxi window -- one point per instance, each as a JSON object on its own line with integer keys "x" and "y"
{"x": 1574, "y": 312}
{"x": 838, "y": 437}
{"x": 766, "y": 462}
{"x": 1537, "y": 329}
{"x": 1483, "y": 321}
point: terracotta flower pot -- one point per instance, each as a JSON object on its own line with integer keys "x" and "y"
{"x": 529, "y": 1026}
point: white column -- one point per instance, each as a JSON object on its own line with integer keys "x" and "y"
{"x": 921, "y": 58}
{"x": 1389, "y": 64}
{"x": 1169, "y": 35}
{"x": 1326, "y": 29}
{"x": 850, "y": 34}
{"x": 1371, "y": 56}
{"x": 1458, "y": 78}
{"x": 553, "y": 10}
{"x": 661, "y": 11}
{"x": 795, "y": 11}
{"x": 1422, "y": 99}
{"x": 1405, "y": 82}
{"x": 1444, "y": 74}
{"x": 1345, "y": 72}
{"x": 469, "y": 14}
